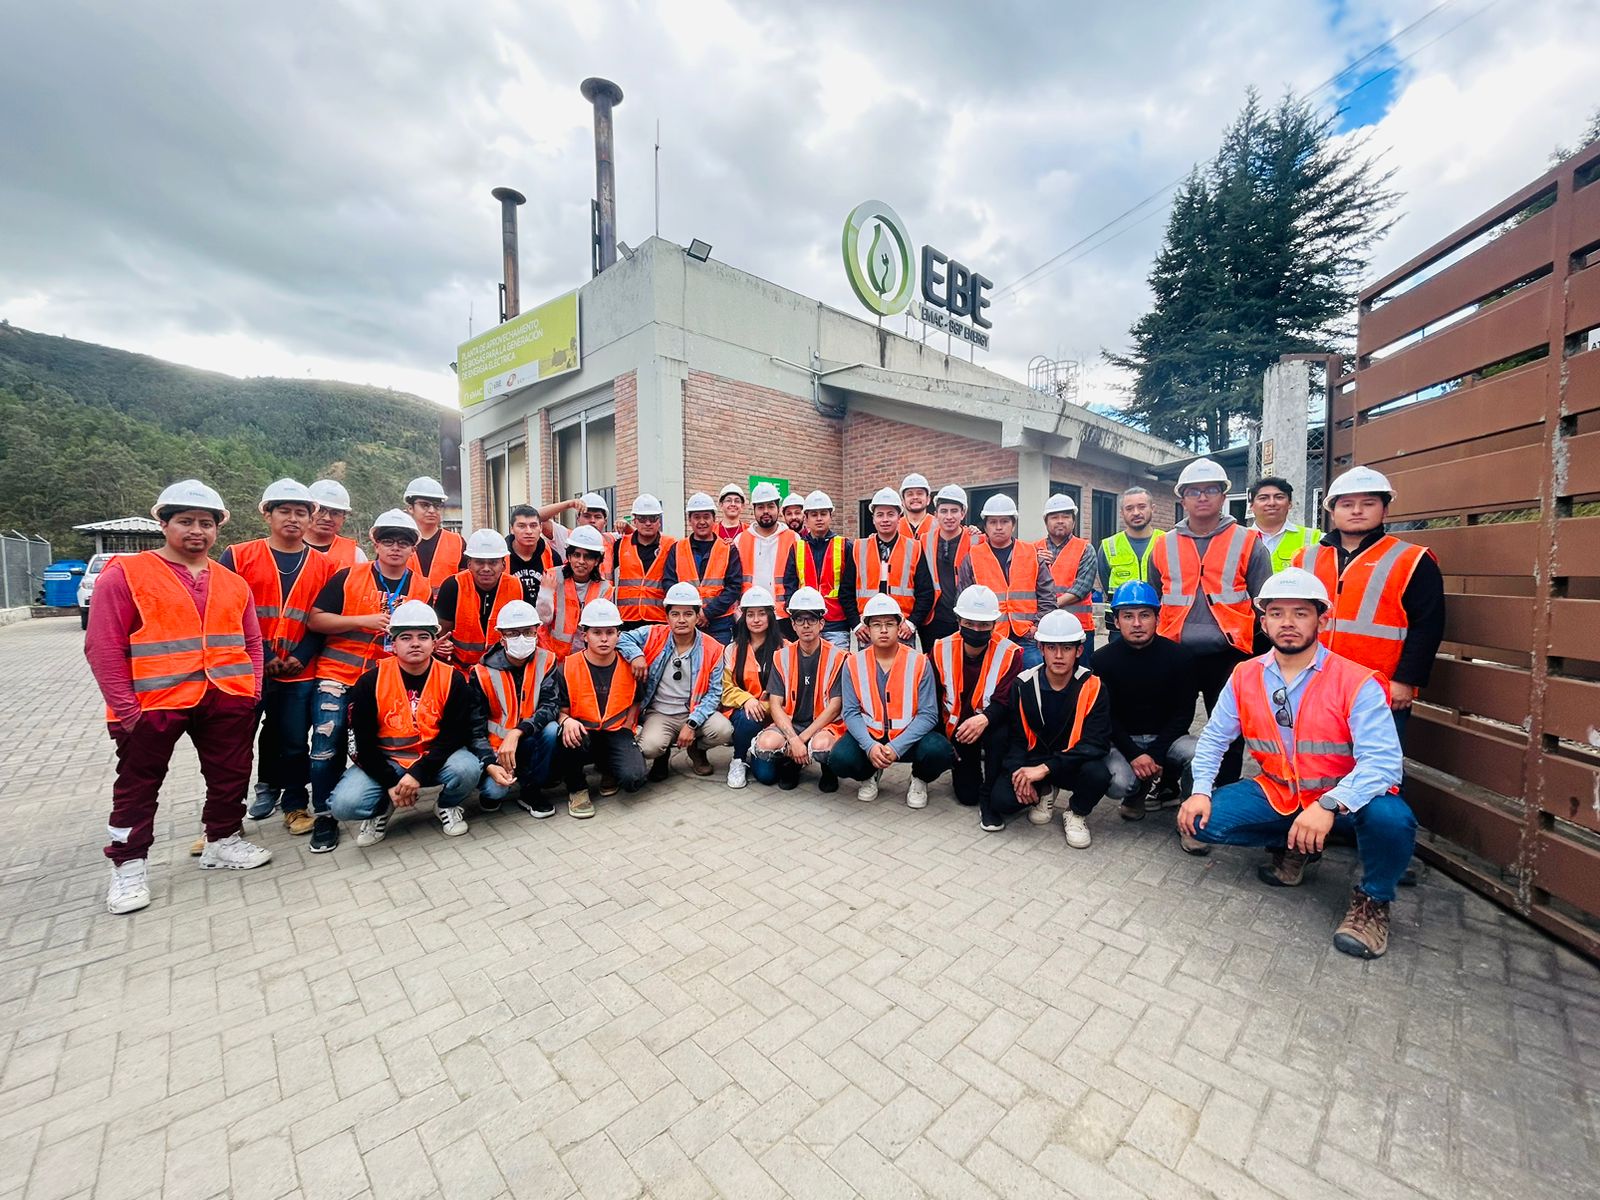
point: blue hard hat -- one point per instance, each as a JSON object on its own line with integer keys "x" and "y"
{"x": 1136, "y": 593}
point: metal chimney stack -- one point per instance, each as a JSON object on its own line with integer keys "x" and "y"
{"x": 605, "y": 96}
{"x": 511, "y": 289}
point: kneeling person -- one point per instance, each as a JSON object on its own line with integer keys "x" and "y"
{"x": 679, "y": 673}
{"x": 1058, "y": 729}
{"x": 599, "y": 712}
{"x": 890, "y": 710}
{"x": 1320, "y": 729}
{"x": 515, "y": 701}
{"x": 974, "y": 672}
{"x": 410, "y": 717}
{"x": 804, "y": 698}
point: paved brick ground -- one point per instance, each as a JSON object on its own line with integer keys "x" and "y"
{"x": 710, "y": 993}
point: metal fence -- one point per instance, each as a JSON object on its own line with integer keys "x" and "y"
{"x": 22, "y": 563}
{"x": 1477, "y": 391}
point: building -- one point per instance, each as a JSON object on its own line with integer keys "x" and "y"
{"x": 694, "y": 374}
{"x": 123, "y": 535}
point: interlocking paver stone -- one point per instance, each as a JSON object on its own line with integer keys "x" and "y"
{"x": 708, "y": 993}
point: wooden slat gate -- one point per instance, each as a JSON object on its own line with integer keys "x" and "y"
{"x": 1477, "y": 391}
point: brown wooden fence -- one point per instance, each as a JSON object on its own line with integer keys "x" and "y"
{"x": 1477, "y": 391}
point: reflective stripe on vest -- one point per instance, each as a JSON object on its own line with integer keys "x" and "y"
{"x": 830, "y": 661}
{"x": 949, "y": 656}
{"x": 659, "y": 647}
{"x": 1368, "y": 623}
{"x": 1122, "y": 564}
{"x": 920, "y": 529}
{"x": 470, "y": 637}
{"x": 583, "y": 705}
{"x": 746, "y": 543}
{"x": 930, "y": 551}
{"x": 824, "y": 577}
{"x": 1323, "y": 748}
{"x": 341, "y": 552}
{"x": 447, "y": 554}
{"x": 561, "y": 634}
{"x": 1224, "y": 568}
{"x": 1019, "y": 597}
{"x": 405, "y": 733}
{"x": 1290, "y": 544}
{"x": 893, "y": 578}
{"x": 175, "y": 653}
{"x": 283, "y": 622}
{"x": 904, "y": 678}
{"x": 346, "y": 655}
{"x": 1064, "y": 573}
{"x": 1087, "y": 694}
{"x": 507, "y": 707}
{"x": 640, "y": 592}
{"x": 710, "y": 584}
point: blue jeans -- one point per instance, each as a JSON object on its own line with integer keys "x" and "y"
{"x": 1384, "y": 829}
{"x": 744, "y": 732}
{"x": 930, "y": 756}
{"x": 534, "y": 758}
{"x": 359, "y": 796}
{"x": 282, "y": 757}
{"x": 330, "y": 721}
{"x": 1032, "y": 656}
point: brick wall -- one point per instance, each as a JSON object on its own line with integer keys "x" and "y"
{"x": 880, "y": 453}
{"x": 1090, "y": 478}
{"x": 625, "y": 389}
{"x": 734, "y": 430}
{"x": 545, "y": 493}
{"x": 478, "y": 483}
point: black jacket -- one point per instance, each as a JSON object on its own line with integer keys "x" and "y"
{"x": 531, "y": 726}
{"x": 1053, "y": 748}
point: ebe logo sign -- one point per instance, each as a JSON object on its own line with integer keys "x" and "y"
{"x": 879, "y": 264}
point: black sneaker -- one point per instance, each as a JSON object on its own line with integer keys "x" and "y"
{"x": 537, "y": 806}
{"x": 829, "y": 781}
{"x": 658, "y": 769}
{"x": 488, "y": 803}
{"x": 324, "y": 835}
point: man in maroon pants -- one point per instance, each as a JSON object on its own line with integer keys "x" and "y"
{"x": 175, "y": 647}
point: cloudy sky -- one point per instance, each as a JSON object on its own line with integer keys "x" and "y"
{"x": 303, "y": 187}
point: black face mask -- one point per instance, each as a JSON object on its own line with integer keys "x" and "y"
{"x": 977, "y": 639}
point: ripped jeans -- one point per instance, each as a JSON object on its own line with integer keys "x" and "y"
{"x": 330, "y": 726}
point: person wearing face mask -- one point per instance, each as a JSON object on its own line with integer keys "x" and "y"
{"x": 973, "y": 672}
{"x": 515, "y": 702}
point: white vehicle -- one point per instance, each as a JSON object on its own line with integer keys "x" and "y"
{"x": 86, "y": 587}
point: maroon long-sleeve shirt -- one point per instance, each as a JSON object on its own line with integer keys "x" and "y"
{"x": 114, "y": 618}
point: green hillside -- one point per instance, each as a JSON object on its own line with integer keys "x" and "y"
{"x": 88, "y": 432}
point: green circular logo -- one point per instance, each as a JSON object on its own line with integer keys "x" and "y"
{"x": 877, "y": 257}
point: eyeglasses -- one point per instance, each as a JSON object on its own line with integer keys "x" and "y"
{"x": 1281, "y": 713}
{"x": 799, "y": 619}
{"x": 1203, "y": 489}
{"x": 394, "y": 541}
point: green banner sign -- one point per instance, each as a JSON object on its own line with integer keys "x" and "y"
{"x": 539, "y": 344}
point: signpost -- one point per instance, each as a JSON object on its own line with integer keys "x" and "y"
{"x": 880, "y": 266}
{"x": 541, "y": 343}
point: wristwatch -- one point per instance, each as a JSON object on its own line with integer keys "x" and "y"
{"x": 1329, "y": 803}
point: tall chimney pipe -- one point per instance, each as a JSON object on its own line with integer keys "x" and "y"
{"x": 605, "y": 96}
{"x": 509, "y": 199}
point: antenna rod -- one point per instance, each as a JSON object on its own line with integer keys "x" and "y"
{"x": 658, "y": 176}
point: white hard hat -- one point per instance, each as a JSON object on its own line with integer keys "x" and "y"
{"x": 730, "y": 489}
{"x": 190, "y": 493}
{"x": 885, "y": 498}
{"x": 1059, "y": 627}
{"x": 764, "y": 493}
{"x": 330, "y": 493}
{"x": 486, "y": 543}
{"x": 285, "y": 491}
{"x": 978, "y": 603}
{"x": 413, "y": 614}
{"x": 424, "y": 487}
{"x": 807, "y": 599}
{"x": 1000, "y": 506}
{"x": 587, "y": 537}
{"x": 685, "y": 594}
{"x": 757, "y": 597}
{"x": 600, "y": 614}
{"x": 881, "y": 606}
{"x": 646, "y": 505}
{"x": 700, "y": 502}
{"x": 517, "y": 614}
{"x": 914, "y": 480}
{"x": 951, "y": 494}
{"x": 396, "y": 518}
{"x": 1201, "y": 470}
{"x": 793, "y": 501}
{"x": 818, "y": 501}
{"x": 595, "y": 500}
{"x": 1060, "y": 503}
{"x": 1292, "y": 583}
{"x": 1358, "y": 481}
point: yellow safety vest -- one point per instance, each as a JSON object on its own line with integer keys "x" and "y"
{"x": 1122, "y": 564}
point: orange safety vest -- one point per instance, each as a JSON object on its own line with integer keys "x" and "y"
{"x": 583, "y": 705}
{"x": 746, "y": 543}
{"x": 659, "y": 640}
{"x": 405, "y": 733}
{"x": 930, "y": 551}
{"x": 1368, "y": 622}
{"x": 559, "y": 636}
{"x": 283, "y": 621}
{"x": 887, "y": 715}
{"x": 507, "y": 707}
{"x": 346, "y": 655}
{"x": 716, "y": 575}
{"x": 1324, "y": 748}
{"x": 949, "y": 656}
{"x": 341, "y": 552}
{"x": 468, "y": 633}
{"x": 830, "y": 661}
{"x": 1223, "y": 576}
{"x": 926, "y": 525}
{"x": 824, "y": 575}
{"x": 639, "y": 593}
{"x": 750, "y": 679}
{"x": 174, "y": 655}
{"x": 446, "y": 560}
{"x": 1088, "y": 693}
{"x": 1064, "y": 571}
{"x": 895, "y": 577}
{"x": 1019, "y": 595}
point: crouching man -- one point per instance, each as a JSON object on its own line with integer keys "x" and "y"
{"x": 679, "y": 673}
{"x": 599, "y": 712}
{"x": 1320, "y": 729}
{"x": 1058, "y": 729}
{"x": 515, "y": 701}
{"x": 974, "y": 672}
{"x": 410, "y": 717}
{"x": 805, "y": 698}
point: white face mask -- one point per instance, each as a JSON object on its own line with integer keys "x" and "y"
{"x": 520, "y": 646}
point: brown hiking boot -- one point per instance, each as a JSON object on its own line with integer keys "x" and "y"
{"x": 1193, "y": 845}
{"x": 1132, "y": 809}
{"x": 1288, "y": 868}
{"x": 1364, "y": 932}
{"x": 698, "y": 762}
{"x": 608, "y": 783}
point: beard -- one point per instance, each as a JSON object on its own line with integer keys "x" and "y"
{"x": 1292, "y": 641}
{"x": 766, "y": 521}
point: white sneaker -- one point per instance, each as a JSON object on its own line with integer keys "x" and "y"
{"x": 130, "y": 887}
{"x": 1077, "y": 831}
{"x": 917, "y": 794}
{"x": 738, "y": 773}
{"x": 868, "y": 791}
{"x": 1040, "y": 811}
{"x": 454, "y": 823}
{"x": 233, "y": 853}
{"x": 374, "y": 829}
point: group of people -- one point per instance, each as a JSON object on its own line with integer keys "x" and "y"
{"x": 523, "y": 666}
